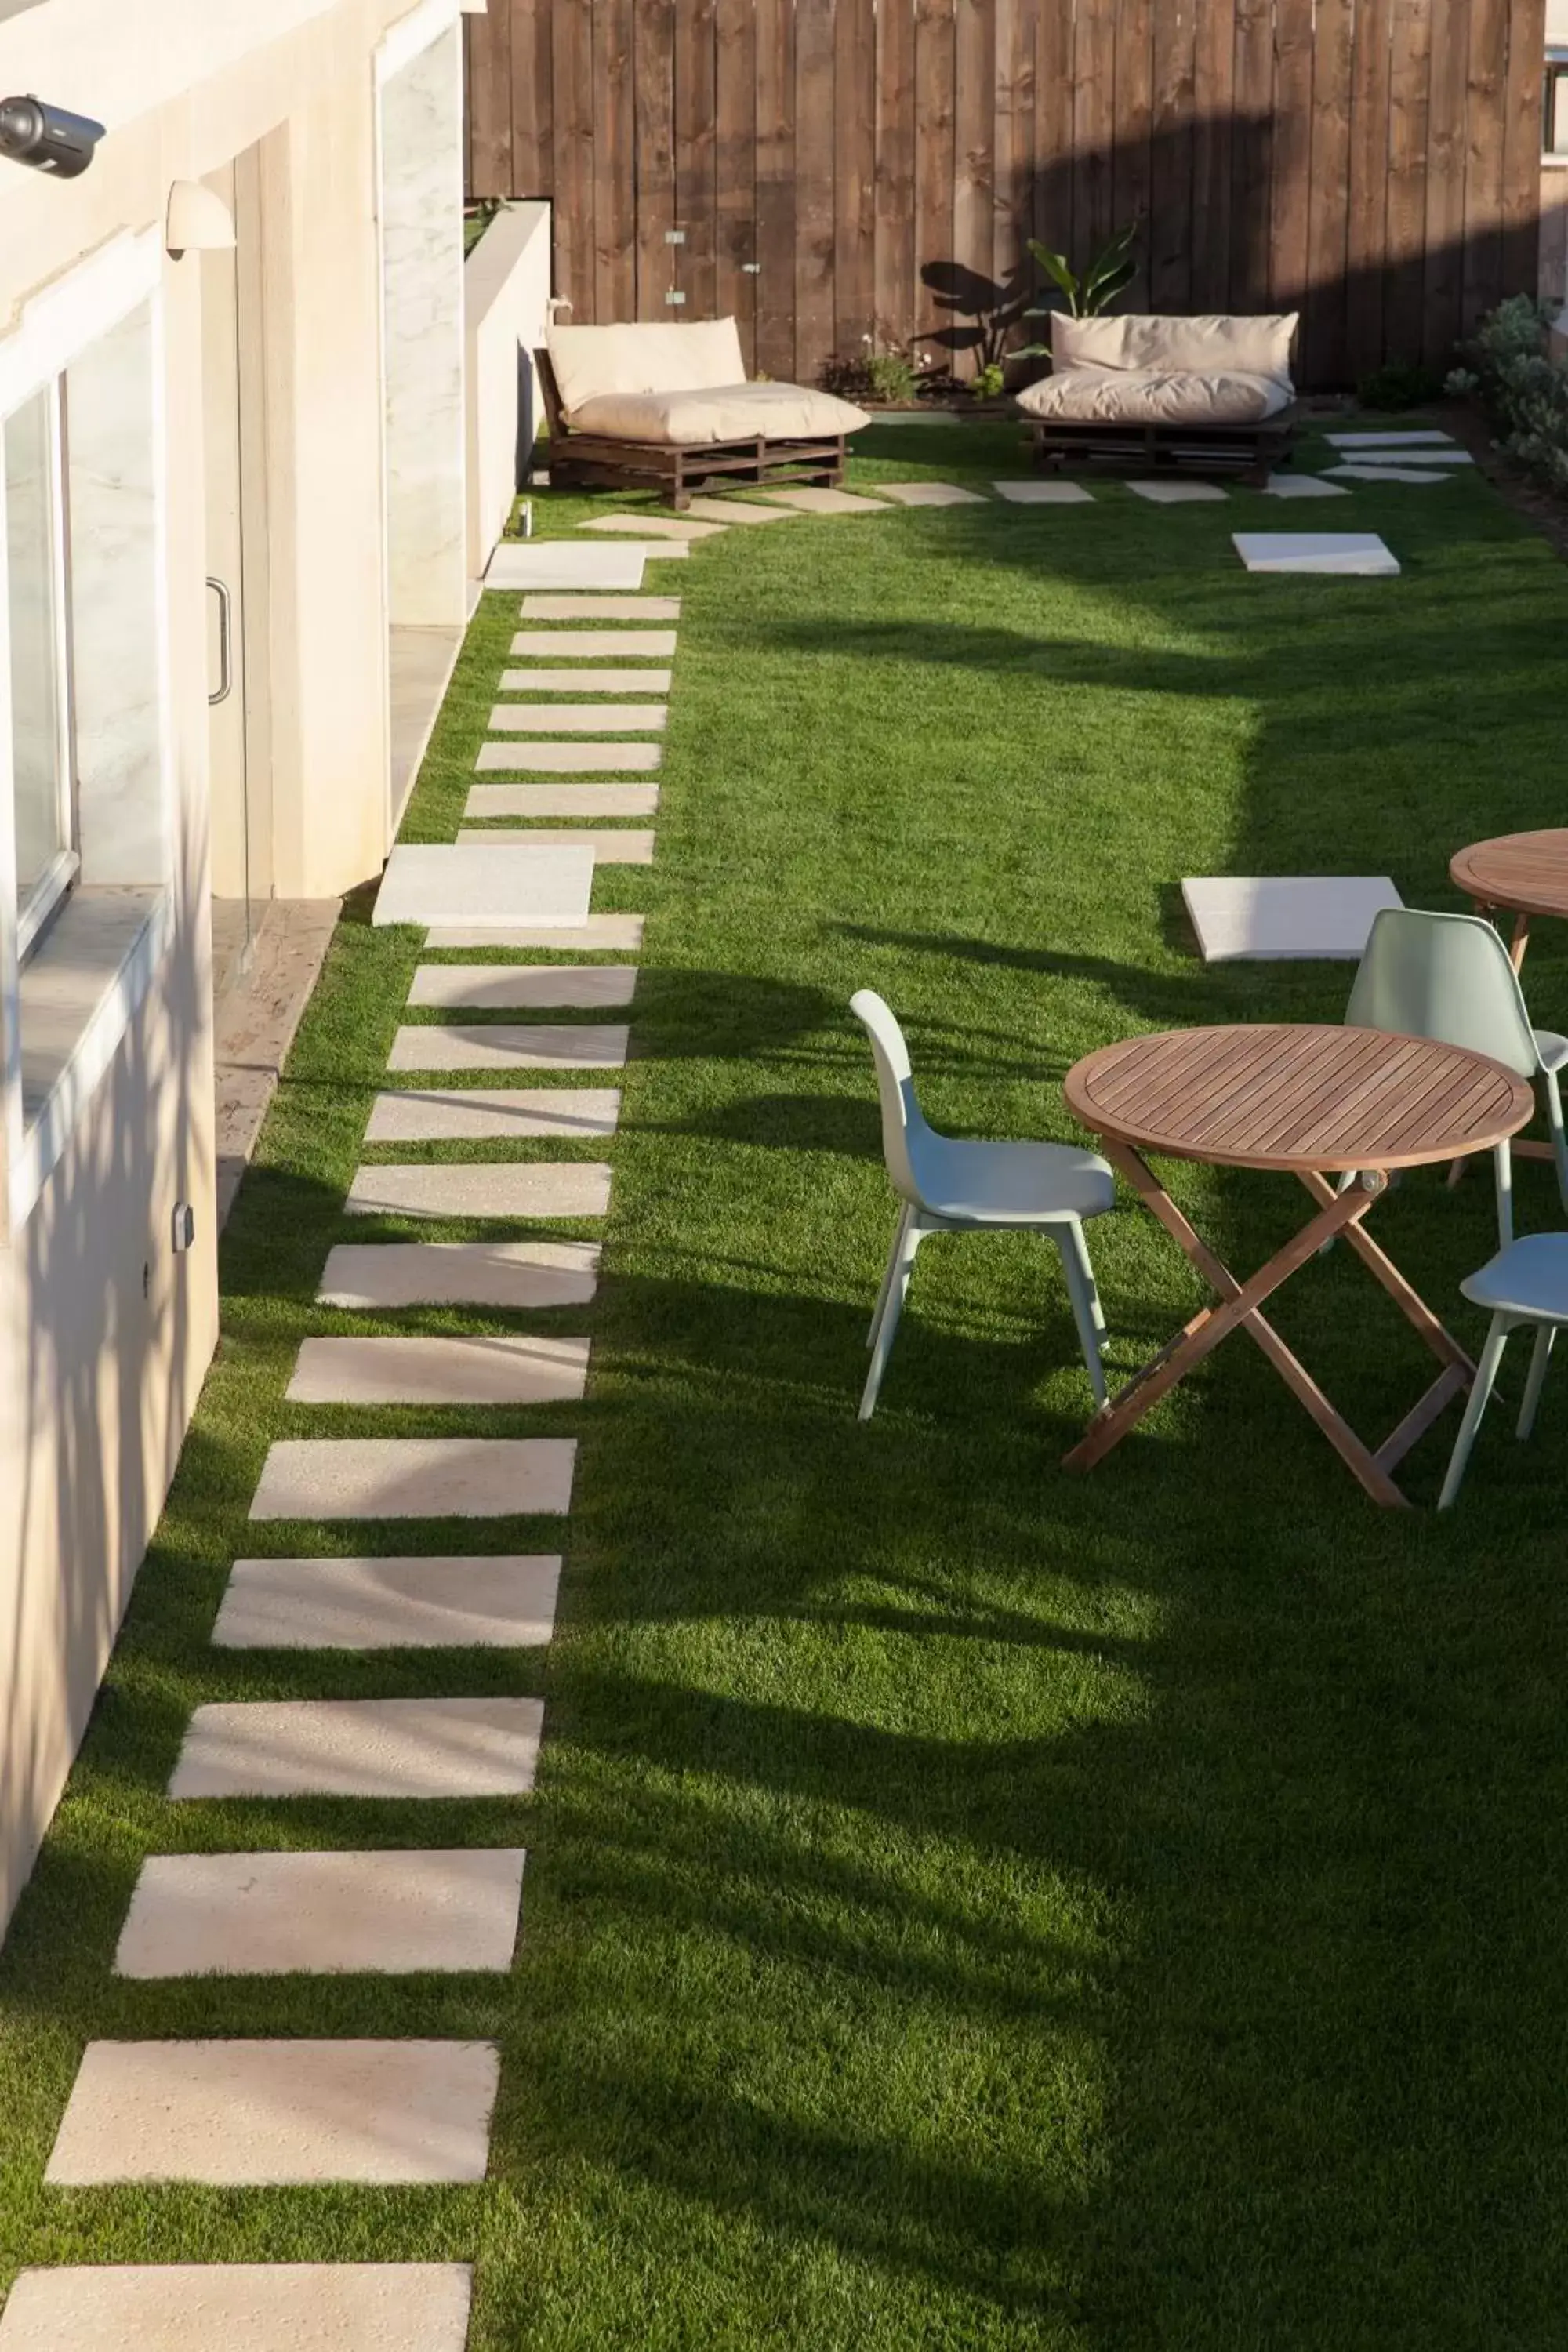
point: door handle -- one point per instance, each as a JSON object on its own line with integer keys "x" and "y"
{"x": 225, "y": 641}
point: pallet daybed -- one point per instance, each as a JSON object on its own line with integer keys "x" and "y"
{"x": 1211, "y": 393}
{"x": 667, "y": 408}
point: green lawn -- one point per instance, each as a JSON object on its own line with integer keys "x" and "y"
{"x": 967, "y": 1907}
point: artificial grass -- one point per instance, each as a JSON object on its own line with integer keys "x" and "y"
{"x": 966, "y": 1907}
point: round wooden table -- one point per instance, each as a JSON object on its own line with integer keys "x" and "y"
{"x": 1315, "y": 1100}
{"x": 1526, "y": 873}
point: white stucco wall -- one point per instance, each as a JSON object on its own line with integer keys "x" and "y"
{"x": 506, "y": 299}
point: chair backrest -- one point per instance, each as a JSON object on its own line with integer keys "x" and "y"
{"x": 904, "y": 1130}
{"x": 1446, "y": 977}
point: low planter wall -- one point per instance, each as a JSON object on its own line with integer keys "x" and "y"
{"x": 506, "y": 303}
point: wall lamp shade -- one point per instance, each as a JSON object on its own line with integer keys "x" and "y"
{"x": 198, "y": 220}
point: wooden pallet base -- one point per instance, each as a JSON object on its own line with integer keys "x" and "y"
{"x": 1249, "y": 451}
{"x": 584, "y": 461}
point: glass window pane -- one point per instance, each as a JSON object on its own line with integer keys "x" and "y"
{"x": 34, "y": 679}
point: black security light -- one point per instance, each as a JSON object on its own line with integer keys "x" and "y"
{"x": 47, "y": 138}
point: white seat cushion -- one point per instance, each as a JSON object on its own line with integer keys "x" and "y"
{"x": 733, "y": 411}
{"x": 1155, "y": 396}
{"x": 1206, "y": 345}
{"x": 645, "y": 355}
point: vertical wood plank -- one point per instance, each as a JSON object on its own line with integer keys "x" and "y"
{"x": 973, "y": 247}
{"x": 1444, "y": 268}
{"x": 854, "y": 175}
{"x": 1366, "y": 227}
{"x": 653, "y": 57}
{"x": 1485, "y": 80}
{"x": 1130, "y": 164}
{"x": 1013, "y": 188}
{"x": 614, "y": 230}
{"x": 933, "y": 154}
{"x": 1551, "y": 245}
{"x": 1524, "y": 210}
{"x": 1171, "y": 239}
{"x": 814, "y": 187}
{"x": 894, "y": 301}
{"x": 532, "y": 83}
{"x": 1409, "y": 71}
{"x": 487, "y": 49}
{"x": 572, "y": 58}
{"x": 1214, "y": 91}
{"x": 1093, "y": 121}
{"x": 1252, "y": 142}
{"x": 1325, "y": 343}
{"x": 696, "y": 274}
{"x": 1291, "y": 164}
{"x": 775, "y": 188}
{"x": 1053, "y": 159}
{"x": 735, "y": 167}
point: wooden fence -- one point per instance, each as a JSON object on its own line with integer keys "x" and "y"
{"x": 830, "y": 169}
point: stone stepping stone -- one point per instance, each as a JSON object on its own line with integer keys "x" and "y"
{"x": 1303, "y": 485}
{"x": 624, "y": 848}
{"x": 454, "y": 1189}
{"x": 444, "y": 882}
{"x": 520, "y": 987}
{"x": 241, "y": 2307}
{"x": 564, "y": 563}
{"x": 584, "y": 681}
{"x": 734, "y": 511}
{"x": 655, "y": 526}
{"x": 509, "y": 1045}
{"x": 1274, "y": 917}
{"x": 930, "y": 494}
{"x": 493, "y": 1114}
{"x": 1175, "y": 494}
{"x": 1357, "y": 553}
{"x": 809, "y": 498}
{"x": 500, "y": 1602}
{"x": 578, "y": 718}
{"x": 597, "y": 645}
{"x": 1388, "y": 474}
{"x": 1405, "y": 440}
{"x": 601, "y": 608}
{"x": 601, "y": 934}
{"x": 250, "y": 1915}
{"x": 569, "y": 759}
{"x": 1044, "y": 491}
{"x": 407, "y": 1368}
{"x": 655, "y": 551}
{"x": 561, "y": 800}
{"x": 370, "y": 1275}
{"x": 413, "y": 1478}
{"x": 255, "y": 2114}
{"x": 398, "y": 1748}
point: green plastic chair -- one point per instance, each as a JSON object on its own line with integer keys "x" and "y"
{"x": 1524, "y": 1285}
{"x": 949, "y": 1186}
{"x": 1448, "y": 977}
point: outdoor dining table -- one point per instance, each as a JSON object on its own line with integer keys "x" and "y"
{"x": 1317, "y": 1101}
{"x": 1524, "y": 874}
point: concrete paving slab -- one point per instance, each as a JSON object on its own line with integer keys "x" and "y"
{"x": 519, "y": 1190}
{"x": 252, "y": 2114}
{"x": 930, "y": 494}
{"x": 493, "y": 1114}
{"x": 809, "y": 499}
{"x": 510, "y": 1045}
{"x": 1303, "y": 485}
{"x": 518, "y": 987}
{"x": 391, "y": 1913}
{"x": 1398, "y": 440}
{"x": 655, "y": 551}
{"x": 624, "y": 847}
{"x": 577, "y": 717}
{"x": 505, "y": 1602}
{"x": 540, "y": 883}
{"x": 412, "y": 1367}
{"x": 563, "y": 563}
{"x": 407, "y": 1748}
{"x": 742, "y": 511}
{"x": 414, "y": 1477}
{"x": 637, "y": 525}
{"x": 600, "y": 934}
{"x": 1176, "y": 493}
{"x": 1360, "y": 553}
{"x": 572, "y": 799}
{"x": 594, "y": 644}
{"x": 240, "y": 2307}
{"x": 600, "y": 608}
{"x": 1368, "y": 473}
{"x": 374, "y": 1275}
{"x": 1045, "y": 490}
{"x": 586, "y": 680}
{"x": 569, "y": 758}
{"x": 1275, "y": 917}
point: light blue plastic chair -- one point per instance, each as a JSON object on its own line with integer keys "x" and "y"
{"x": 1448, "y": 977}
{"x": 1526, "y": 1284}
{"x": 949, "y": 1186}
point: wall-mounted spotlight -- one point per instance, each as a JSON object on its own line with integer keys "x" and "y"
{"x": 47, "y": 138}
{"x": 197, "y": 221}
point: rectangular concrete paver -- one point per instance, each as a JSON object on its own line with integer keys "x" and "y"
{"x": 600, "y": 934}
{"x": 240, "y": 2307}
{"x": 409, "y": 1367}
{"x": 811, "y": 498}
{"x": 653, "y": 550}
{"x": 1176, "y": 493}
{"x": 246, "y": 2113}
{"x": 595, "y": 644}
{"x": 375, "y": 1275}
{"x": 561, "y": 800}
{"x": 564, "y": 563}
{"x": 1304, "y": 486}
{"x": 1043, "y": 490}
{"x": 654, "y": 526}
{"x": 493, "y": 1114}
{"x": 601, "y": 608}
{"x": 930, "y": 494}
{"x": 519, "y": 987}
{"x": 399, "y": 1747}
{"x": 734, "y": 511}
{"x": 510, "y": 1045}
{"x": 438, "y": 882}
{"x": 627, "y": 847}
{"x": 482, "y": 1189}
{"x": 577, "y": 717}
{"x": 414, "y": 1477}
{"x": 569, "y": 758}
{"x": 487, "y": 1602}
{"x": 388, "y": 1913}
{"x": 584, "y": 681}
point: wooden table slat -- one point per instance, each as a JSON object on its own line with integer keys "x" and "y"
{"x": 1526, "y": 872}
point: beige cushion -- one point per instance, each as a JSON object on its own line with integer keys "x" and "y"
{"x": 1202, "y": 346}
{"x": 1152, "y": 396}
{"x": 654, "y": 355}
{"x": 730, "y": 411}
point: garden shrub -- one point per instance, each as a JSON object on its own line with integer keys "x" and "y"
{"x": 1399, "y": 384}
{"x": 1524, "y": 390}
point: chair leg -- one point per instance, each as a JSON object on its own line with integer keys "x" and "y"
{"x": 1540, "y": 1357}
{"x": 900, "y": 1268}
{"x": 1503, "y": 1156}
{"x": 1485, "y": 1374}
{"x": 1085, "y": 1297}
{"x": 1559, "y": 1143}
{"x": 907, "y": 1213}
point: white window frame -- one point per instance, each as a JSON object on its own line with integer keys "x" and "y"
{"x": 1555, "y": 106}
{"x": 57, "y": 877}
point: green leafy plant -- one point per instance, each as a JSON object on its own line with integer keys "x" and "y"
{"x": 892, "y": 377}
{"x": 1399, "y": 384}
{"x": 1112, "y": 269}
{"x": 988, "y": 382}
{"x": 1522, "y": 388}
